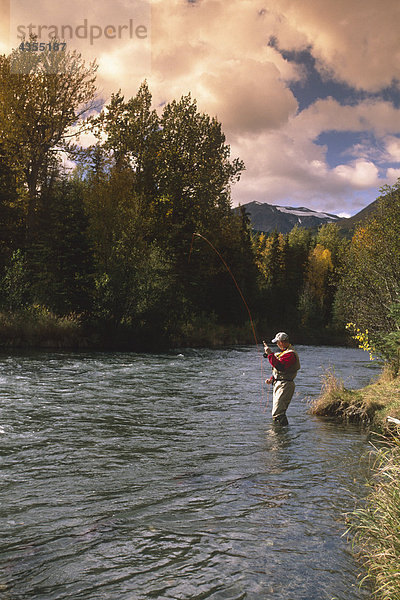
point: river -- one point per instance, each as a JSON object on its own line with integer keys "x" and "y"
{"x": 160, "y": 476}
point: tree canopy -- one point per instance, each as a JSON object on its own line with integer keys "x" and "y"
{"x": 110, "y": 241}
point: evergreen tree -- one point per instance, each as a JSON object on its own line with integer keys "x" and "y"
{"x": 60, "y": 257}
{"x": 11, "y": 209}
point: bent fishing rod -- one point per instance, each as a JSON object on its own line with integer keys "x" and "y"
{"x": 233, "y": 278}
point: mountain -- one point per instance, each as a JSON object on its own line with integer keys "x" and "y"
{"x": 348, "y": 226}
{"x": 267, "y": 217}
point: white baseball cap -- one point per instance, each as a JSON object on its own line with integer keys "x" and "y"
{"x": 281, "y": 337}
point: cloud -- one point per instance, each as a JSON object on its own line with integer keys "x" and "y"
{"x": 117, "y": 34}
{"x": 377, "y": 116}
{"x": 393, "y": 148}
{"x": 355, "y": 42}
{"x": 256, "y": 99}
{"x": 221, "y": 52}
{"x": 288, "y": 166}
{"x": 392, "y": 175}
{"x": 360, "y": 174}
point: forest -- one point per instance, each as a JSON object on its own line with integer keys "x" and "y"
{"x": 97, "y": 245}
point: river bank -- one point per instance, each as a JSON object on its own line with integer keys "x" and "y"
{"x": 376, "y": 525}
{"x": 369, "y": 406}
{"x": 38, "y": 328}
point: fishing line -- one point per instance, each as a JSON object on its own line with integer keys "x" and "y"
{"x": 267, "y": 401}
{"x": 242, "y": 297}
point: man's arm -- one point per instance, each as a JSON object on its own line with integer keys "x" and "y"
{"x": 283, "y": 363}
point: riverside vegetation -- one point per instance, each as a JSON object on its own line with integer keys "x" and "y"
{"x": 376, "y": 525}
{"x": 370, "y": 288}
{"x": 97, "y": 255}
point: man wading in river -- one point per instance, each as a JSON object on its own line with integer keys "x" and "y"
{"x": 285, "y": 365}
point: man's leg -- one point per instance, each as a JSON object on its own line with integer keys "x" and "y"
{"x": 283, "y": 393}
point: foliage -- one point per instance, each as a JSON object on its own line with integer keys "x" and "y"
{"x": 362, "y": 339}
{"x": 60, "y": 258}
{"x": 42, "y": 95}
{"x": 131, "y": 132}
{"x": 15, "y": 288}
{"x": 111, "y": 241}
{"x": 369, "y": 292}
{"x": 11, "y": 208}
{"x": 166, "y": 177}
{"x": 376, "y": 526}
{"x": 298, "y": 278}
{"x": 36, "y": 326}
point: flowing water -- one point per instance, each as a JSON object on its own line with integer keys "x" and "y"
{"x": 138, "y": 476}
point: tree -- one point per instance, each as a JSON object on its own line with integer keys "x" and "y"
{"x": 194, "y": 167}
{"x": 15, "y": 292}
{"x": 60, "y": 259}
{"x": 11, "y": 214}
{"x": 42, "y": 95}
{"x": 370, "y": 287}
{"x": 319, "y": 267}
{"x": 329, "y": 237}
{"x": 212, "y": 283}
{"x": 131, "y": 132}
{"x": 176, "y": 174}
{"x": 270, "y": 258}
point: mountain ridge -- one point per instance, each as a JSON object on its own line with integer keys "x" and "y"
{"x": 266, "y": 217}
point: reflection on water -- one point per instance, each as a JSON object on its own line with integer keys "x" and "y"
{"x": 161, "y": 476}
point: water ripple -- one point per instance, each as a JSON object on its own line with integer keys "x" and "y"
{"x": 131, "y": 477}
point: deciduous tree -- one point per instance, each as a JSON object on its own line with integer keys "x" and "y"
{"x": 42, "y": 95}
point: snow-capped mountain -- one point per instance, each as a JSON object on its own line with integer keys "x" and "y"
{"x": 267, "y": 217}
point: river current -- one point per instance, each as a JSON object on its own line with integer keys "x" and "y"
{"x": 160, "y": 476}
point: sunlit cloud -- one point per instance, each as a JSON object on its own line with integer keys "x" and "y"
{"x": 393, "y": 148}
{"x": 392, "y": 175}
{"x": 233, "y": 59}
{"x": 361, "y": 174}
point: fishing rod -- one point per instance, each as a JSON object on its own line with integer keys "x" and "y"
{"x": 241, "y": 295}
{"x": 233, "y": 277}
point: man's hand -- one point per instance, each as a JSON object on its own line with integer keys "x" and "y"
{"x": 267, "y": 349}
{"x": 270, "y": 380}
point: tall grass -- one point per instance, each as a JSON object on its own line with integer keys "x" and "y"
{"x": 369, "y": 405}
{"x": 205, "y": 330}
{"x": 37, "y": 327}
{"x": 335, "y": 401}
{"x": 376, "y": 526}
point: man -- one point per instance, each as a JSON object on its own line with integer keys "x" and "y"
{"x": 285, "y": 365}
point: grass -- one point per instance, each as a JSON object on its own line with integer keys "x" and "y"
{"x": 368, "y": 406}
{"x": 206, "y": 331}
{"x": 376, "y": 526}
{"x": 37, "y": 327}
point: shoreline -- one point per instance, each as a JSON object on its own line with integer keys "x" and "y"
{"x": 37, "y": 328}
{"x": 375, "y": 524}
{"x": 369, "y": 406}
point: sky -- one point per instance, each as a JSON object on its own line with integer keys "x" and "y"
{"x": 307, "y": 91}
